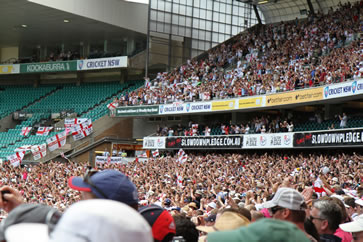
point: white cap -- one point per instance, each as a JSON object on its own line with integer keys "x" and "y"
{"x": 335, "y": 179}
{"x": 359, "y": 202}
{"x": 286, "y": 198}
{"x": 355, "y": 226}
{"x": 91, "y": 220}
{"x": 30, "y": 232}
{"x": 212, "y": 205}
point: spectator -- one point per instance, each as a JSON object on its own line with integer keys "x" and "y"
{"x": 355, "y": 227}
{"x": 185, "y": 229}
{"x": 326, "y": 216}
{"x": 343, "y": 121}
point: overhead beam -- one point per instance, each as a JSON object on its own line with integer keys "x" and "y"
{"x": 311, "y": 8}
{"x": 257, "y": 14}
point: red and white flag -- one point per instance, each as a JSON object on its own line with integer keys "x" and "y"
{"x": 179, "y": 180}
{"x": 183, "y": 158}
{"x": 82, "y": 130}
{"x": 112, "y": 105}
{"x": 43, "y": 131}
{"x": 318, "y": 188}
{"x": 39, "y": 151}
{"x": 70, "y": 122}
{"x": 15, "y": 159}
{"x": 155, "y": 153}
{"x": 25, "y": 131}
{"x": 181, "y": 152}
{"x": 57, "y": 141}
{"x": 23, "y": 148}
{"x": 143, "y": 155}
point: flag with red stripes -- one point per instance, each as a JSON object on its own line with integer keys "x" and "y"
{"x": 179, "y": 180}
{"x": 23, "y": 148}
{"x": 25, "y": 131}
{"x": 57, "y": 141}
{"x": 44, "y": 131}
{"x": 70, "y": 122}
{"x": 155, "y": 153}
{"x": 82, "y": 130}
{"x": 15, "y": 159}
{"x": 39, "y": 151}
{"x": 112, "y": 105}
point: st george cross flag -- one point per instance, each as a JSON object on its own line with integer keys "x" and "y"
{"x": 23, "y": 148}
{"x": 179, "y": 180}
{"x": 39, "y": 151}
{"x": 112, "y": 105}
{"x": 57, "y": 141}
{"x": 25, "y": 131}
{"x": 82, "y": 130}
{"x": 181, "y": 152}
{"x": 155, "y": 153}
{"x": 15, "y": 159}
{"x": 70, "y": 122}
{"x": 43, "y": 131}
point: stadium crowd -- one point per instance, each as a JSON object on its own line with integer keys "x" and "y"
{"x": 268, "y": 59}
{"x": 203, "y": 188}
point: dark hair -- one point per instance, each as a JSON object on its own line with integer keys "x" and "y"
{"x": 298, "y": 216}
{"x": 309, "y": 228}
{"x": 186, "y": 229}
{"x": 350, "y": 201}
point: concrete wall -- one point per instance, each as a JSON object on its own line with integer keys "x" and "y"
{"x": 127, "y": 15}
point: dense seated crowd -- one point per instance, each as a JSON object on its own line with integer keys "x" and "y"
{"x": 203, "y": 189}
{"x": 269, "y": 59}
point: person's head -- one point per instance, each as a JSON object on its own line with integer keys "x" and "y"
{"x": 90, "y": 220}
{"x": 262, "y": 230}
{"x": 30, "y": 213}
{"x": 211, "y": 206}
{"x": 287, "y": 204}
{"x": 359, "y": 206}
{"x": 355, "y": 227}
{"x": 186, "y": 229}
{"x": 106, "y": 184}
{"x": 161, "y": 222}
{"x": 350, "y": 201}
{"x": 326, "y": 216}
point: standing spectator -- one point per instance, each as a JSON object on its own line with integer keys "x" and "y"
{"x": 343, "y": 121}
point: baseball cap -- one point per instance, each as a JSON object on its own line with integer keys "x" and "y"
{"x": 260, "y": 231}
{"x": 167, "y": 201}
{"x": 160, "y": 220}
{"x": 212, "y": 205}
{"x": 112, "y": 183}
{"x": 211, "y": 218}
{"x": 90, "y": 220}
{"x": 226, "y": 221}
{"x": 26, "y": 213}
{"x": 287, "y": 198}
{"x": 355, "y": 226}
{"x": 359, "y": 202}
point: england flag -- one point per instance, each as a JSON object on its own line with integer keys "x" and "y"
{"x": 43, "y": 131}
{"x": 39, "y": 151}
{"x": 57, "y": 141}
{"x": 112, "y": 105}
{"x": 82, "y": 130}
{"x": 25, "y": 131}
{"x": 15, "y": 159}
{"x": 155, "y": 153}
{"x": 70, "y": 122}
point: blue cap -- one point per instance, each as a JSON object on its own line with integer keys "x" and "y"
{"x": 114, "y": 184}
{"x": 167, "y": 201}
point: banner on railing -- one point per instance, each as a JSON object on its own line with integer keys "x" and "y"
{"x": 108, "y": 159}
{"x": 198, "y": 142}
{"x": 9, "y": 69}
{"x": 333, "y": 138}
{"x": 262, "y": 141}
{"x": 57, "y": 66}
{"x": 102, "y": 63}
{"x": 154, "y": 143}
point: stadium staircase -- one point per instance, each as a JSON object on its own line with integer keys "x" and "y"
{"x": 88, "y": 100}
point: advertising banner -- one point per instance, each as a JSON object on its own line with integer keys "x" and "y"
{"x": 343, "y": 89}
{"x": 346, "y": 137}
{"x": 179, "y": 108}
{"x": 300, "y": 96}
{"x": 9, "y": 69}
{"x": 154, "y": 143}
{"x": 223, "y": 105}
{"x": 262, "y": 141}
{"x": 58, "y": 66}
{"x": 107, "y": 159}
{"x": 102, "y": 63}
{"x": 253, "y": 102}
{"x": 207, "y": 142}
{"x": 136, "y": 111}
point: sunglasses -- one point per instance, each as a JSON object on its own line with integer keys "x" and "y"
{"x": 87, "y": 179}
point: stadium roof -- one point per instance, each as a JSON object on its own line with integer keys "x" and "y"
{"x": 284, "y": 10}
{"x": 24, "y": 22}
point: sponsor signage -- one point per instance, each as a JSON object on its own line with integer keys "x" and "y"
{"x": 136, "y": 111}
{"x": 207, "y": 142}
{"x": 9, "y": 69}
{"x": 347, "y": 137}
{"x": 102, "y": 63}
{"x": 58, "y": 66}
{"x": 154, "y": 143}
{"x": 253, "y": 102}
{"x": 261, "y": 141}
{"x": 300, "y": 96}
{"x": 107, "y": 159}
{"x": 178, "y": 108}
{"x": 223, "y": 105}
{"x": 343, "y": 89}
